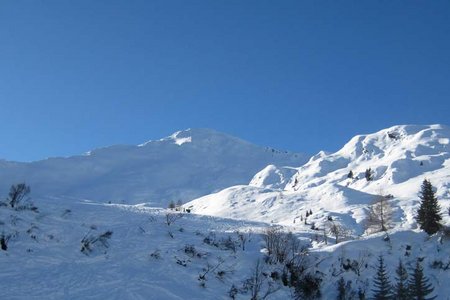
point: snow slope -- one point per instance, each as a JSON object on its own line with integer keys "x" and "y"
{"x": 183, "y": 166}
{"x": 144, "y": 259}
{"x": 195, "y": 257}
{"x": 401, "y": 157}
{"x": 201, "y": 255}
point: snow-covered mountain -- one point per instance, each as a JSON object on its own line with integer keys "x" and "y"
{"x": 219, "y": 247}
{"x": 399, "y": 158}
{"x": 183, "y": 166}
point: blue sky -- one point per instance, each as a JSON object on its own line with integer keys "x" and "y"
{"x": 296, "y": 75}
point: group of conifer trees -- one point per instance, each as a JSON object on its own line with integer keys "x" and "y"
{"x": 414, "y": 286}
{"x": 407, "y": 286}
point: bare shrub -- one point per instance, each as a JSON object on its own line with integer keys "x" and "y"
{"x": 338, "y": 231}
{"x": 18, "y": 197}
{"x": 260, "y": 285}
{"x": 172, "y": 218}
{"x": 156, "y": 254}
{"x": 4, "y": 241}
{"x": 282, "y": 247}
{"x": 90, "y": 241}
{"x": 243, "y": 238}
{"x": 380, "y": 215}
{"x": 223, "y": 243}
{"x": 209, "y": 268}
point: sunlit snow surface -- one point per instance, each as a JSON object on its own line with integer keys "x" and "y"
{"x": 181, "y": 167}
{"x": 44, "y": 261}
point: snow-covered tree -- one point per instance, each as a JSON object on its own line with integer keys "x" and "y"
{"x": 419, "y": 287}
{"x": 382, "y": 285}
{"x": 345, "y": 291}
{"x": 401, "y": 291}
{"x": 428, "y": 215}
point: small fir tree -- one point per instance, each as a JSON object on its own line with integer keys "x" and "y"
{"x": 382, "y": 285}
{"x": 368, "y": 174}
{"x": 345, "y": 291}
{"x": 171, "y": 205}
{"x": 401, "y": 286}
{"x": 428, "y": 215}
{"x": 418, "y": 284}
{"x": 350, "y": 174}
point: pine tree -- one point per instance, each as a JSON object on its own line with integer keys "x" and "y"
{"x": 401, "y": 286}
{"x": 382, "y": 285}
{"x": 341, "y": 289}
{"x": 350, "y": 174}
{"x": 428, "y": 215}
{"x": 345, "y": 291}
{"x": 368, "y": 174}
{"x": 419, "y": 287}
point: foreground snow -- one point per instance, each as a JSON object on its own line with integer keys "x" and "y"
{"x": 147, "y": 259}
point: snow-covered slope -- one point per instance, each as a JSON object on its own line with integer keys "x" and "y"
{"x": 156, "y": 253}
{"x": 401, "y": 157}
{"x": 183, "y": 166}
{"x": 273, "y": 177}
{"x": 189, "y": 257}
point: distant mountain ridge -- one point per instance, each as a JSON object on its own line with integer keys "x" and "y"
{"x": 183, "y": 166}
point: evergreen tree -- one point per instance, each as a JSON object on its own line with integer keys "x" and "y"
{"x": 345, "y": 291}
{"x": 368, "y": 174}
{"x": 428, "y": 215}
{"x": 350, "y": 174}
{"x": 381, "y": 282}
{"x": 171, "y": 205}
{"x": 401, "y": 286}
{"x": 341, "y": 289}
{"x": 419, "y": 287}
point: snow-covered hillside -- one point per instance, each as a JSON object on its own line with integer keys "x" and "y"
{"x": 183, "y": 166}
{"x": 222, "y": 245}
{"x": 72, "y": 249}
{"x": 331, "y": 193}
{"x": 400, "y": 158}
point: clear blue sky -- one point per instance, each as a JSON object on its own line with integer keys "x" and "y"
{"x": 295, "y": 75}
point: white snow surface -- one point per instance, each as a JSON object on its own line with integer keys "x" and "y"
{"x": 273, "y": 177}
{"x": 147, "y": 259}
{"x": 183, "y": 166}
{"x": 401, "y": 157}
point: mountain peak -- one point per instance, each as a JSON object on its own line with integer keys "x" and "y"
{"x": 195, "y": 135}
